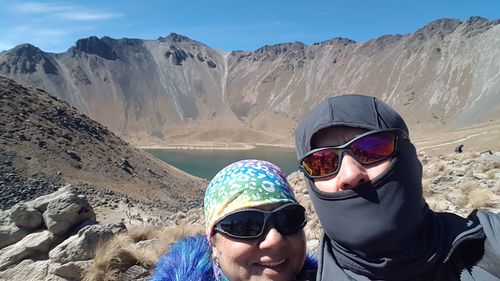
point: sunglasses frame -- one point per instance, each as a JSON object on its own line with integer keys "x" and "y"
{"x": 267, "y": 216}
{"x": 341, "y": 149}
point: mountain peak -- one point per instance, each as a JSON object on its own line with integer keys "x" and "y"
{"x": 26, "y": 50}
{"x": 175, "y": 38}
{"x": 96, "y": 46}
{"x": 337, "y": 41}
{"x": 281, "y": 47}
{"x": 440, "y": 26}
{"x": 25, "y": 58}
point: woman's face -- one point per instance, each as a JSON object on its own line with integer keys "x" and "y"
{"x": 272, "y": 256}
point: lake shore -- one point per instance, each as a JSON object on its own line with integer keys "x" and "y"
{"x": 214, "y": 146}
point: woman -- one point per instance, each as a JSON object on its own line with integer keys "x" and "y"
{"x": 254, "y": 231}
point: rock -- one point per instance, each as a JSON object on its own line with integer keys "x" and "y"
{"x": 480, "y": 176}
{"x": 34, "y": 244}
{"x": 27, "y": 270}
{"x": 10, "y": 234}
{"x": 42, "y": 202}
{"x": 4, "y": 216}
{"x": 490, "y": 157}
{"x": 133, "y": 273}
{"x": 73, "y": 155}
{"x": 66, "y": 212}
{"x": 71, "y": 270}
{"x": 440, "y": 180}
{"x": 82, "y": 245}
{"x": 24, "y": 215}
{"x": 152, "y": 243}
{"x": 468, "y": 161}
{"x": 458, "y": 172}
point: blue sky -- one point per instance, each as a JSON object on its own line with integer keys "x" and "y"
{"x": 54, "y": 26}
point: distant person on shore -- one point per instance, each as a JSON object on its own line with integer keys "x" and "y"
{"x": 458, "y": 149}
{"x": 365, "y": 182}
{"x": 254, "y": 231}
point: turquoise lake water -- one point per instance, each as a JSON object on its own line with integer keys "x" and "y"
{"x": 206, "y": 163}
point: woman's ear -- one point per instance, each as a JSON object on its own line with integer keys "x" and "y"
{"x": 213, "y": 241}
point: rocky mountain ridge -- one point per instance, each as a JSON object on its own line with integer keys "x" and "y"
{"x": 175, "y": 89}
{"x": 45, "y": 143}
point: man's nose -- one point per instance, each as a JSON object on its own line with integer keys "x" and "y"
{"x": 351, "y": 173}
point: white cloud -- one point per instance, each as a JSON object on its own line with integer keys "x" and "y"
{"x": 39, "y": 8}
{"x": 87, "y": 16}
{"x": 66, "y": 12}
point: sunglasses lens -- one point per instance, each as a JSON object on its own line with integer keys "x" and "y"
{"x": 322, "y": 162}
{"x": 243, "y": 224}
{"x": 374, "y": 147}
{"x": 290, "y": 219}
{"x": 367, "y": 149}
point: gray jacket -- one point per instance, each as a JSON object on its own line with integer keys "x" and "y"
{"x": 474, "y": 255}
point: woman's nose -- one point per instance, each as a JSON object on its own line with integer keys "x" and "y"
{"x": 351, "y": 173}
{"x": 272, "y": 239}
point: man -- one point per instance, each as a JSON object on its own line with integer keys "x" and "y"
{"x": 365, "y": 182}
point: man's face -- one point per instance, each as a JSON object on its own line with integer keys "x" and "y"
{"x": 351, "y": 173}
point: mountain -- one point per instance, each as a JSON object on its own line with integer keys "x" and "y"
{"x": 45, "y": 143}
{"x": 175, "y": 89}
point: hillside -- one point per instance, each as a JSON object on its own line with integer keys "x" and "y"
{"x": 45, "y": 143}
{"x": 175, "y": 90}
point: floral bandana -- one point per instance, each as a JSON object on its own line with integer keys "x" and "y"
{"x": 244, "y": 184}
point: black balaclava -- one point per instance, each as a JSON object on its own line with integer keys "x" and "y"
{"x": 381, "y": 229}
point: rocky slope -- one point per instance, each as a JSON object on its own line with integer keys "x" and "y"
{"x": 175, "y": 89}
{"x": 45, "y": 143}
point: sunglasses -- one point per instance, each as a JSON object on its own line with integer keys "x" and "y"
{"x": 368, "y": 148}
{"x": 251, "y": 223}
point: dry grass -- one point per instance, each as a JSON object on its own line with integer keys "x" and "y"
{"x": 473, "y": 197}
{"x": 123, "y": 250}
{"x": 466, "y": 155}
{"x": 108, "y": 258}
{"x": 437, "y": 205}
{"x": 465, "y": 189}
{"x": 436, "y": 169}
{"x": 479, "y": 198}
{"x": 427, "y": 187}
{"x": 482, "y": 166}
{"x": 491, "y": 173}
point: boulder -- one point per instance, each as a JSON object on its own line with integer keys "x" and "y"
{"x": 71, "y": 270}
{"x": 42, "y": 202}
{"x": 33, "y": 245}
{"x": 4, "y": 216}
{"x": 66, "y": 212}
{"x": 134, "y": 273}
{"x": 81, "y": 246}
{"x": 27, "y": 270}
{"x": 10, "y": 234}
{"x": 24, "y": 215}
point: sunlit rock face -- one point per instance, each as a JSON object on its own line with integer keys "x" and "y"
{"x": 443, "y": 75}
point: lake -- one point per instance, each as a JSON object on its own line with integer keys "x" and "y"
{"x": 206, "y": 163}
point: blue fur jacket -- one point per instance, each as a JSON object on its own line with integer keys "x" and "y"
{"x": 190, "y": 259}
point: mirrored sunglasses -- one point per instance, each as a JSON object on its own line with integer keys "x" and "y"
{"x": 368, "y": 148}
{"x": 252, "y": 223}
